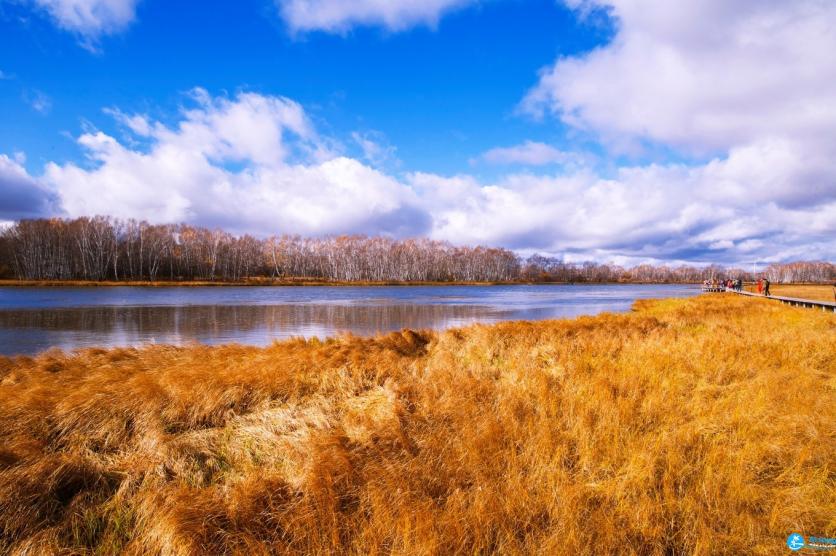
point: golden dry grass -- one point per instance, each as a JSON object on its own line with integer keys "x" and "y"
{"x": 695, "y": 426}
{"x": 818, "y": 292}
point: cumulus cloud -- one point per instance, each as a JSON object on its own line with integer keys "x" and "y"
{"x": 252, "y": 163}
{"x": 90, "y": 19}
{"x": 338, "y": 16}
{"x": 21, "y": 195}
{"x": 255, "y": 163}
{"x": 530, "y": 153}
{"x": 658, "y": 212}
{"x": 376, "y": 148}
{"x": 747, "y": 88}
{"x": 137, "y": 123}
{"x": 702, "y": 76}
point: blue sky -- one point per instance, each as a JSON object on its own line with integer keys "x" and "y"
{"x": 590, "y": 129}
{"x": 442, "y": 94}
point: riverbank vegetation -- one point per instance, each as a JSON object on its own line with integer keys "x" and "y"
{"x": 695, "y": 426}
{"x": 104, "y": 249}
{"x": 255, "y": 281}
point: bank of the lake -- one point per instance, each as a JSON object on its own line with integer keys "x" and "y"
{"x": 35, "y": 319}
{"x": 253, "y": 282}
{"x": 279, "y": 282}
{"x": 694, "y": 425}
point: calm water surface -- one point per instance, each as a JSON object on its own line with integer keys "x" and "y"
{"x": 35, "y": 319}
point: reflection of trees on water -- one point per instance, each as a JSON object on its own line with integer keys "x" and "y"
{"x": 240, "y": 321}
{"x": 36, "y": 326}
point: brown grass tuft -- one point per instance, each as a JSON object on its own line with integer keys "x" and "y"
{"x": 698, "y": 426}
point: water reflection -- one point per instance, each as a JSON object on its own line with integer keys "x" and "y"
{"x": 30, "y": 331}
{"x": 35, "y": 319}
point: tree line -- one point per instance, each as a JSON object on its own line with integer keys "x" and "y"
{"x": 104, "y": 248}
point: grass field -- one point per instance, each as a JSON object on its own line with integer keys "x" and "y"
{"x": 816, "y": 292}
{"x": 689, "y": 426}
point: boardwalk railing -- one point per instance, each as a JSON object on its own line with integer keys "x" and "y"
{"x": 794, "y": 301}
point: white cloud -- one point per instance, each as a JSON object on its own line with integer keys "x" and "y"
{"x": 90, "y": 18}
{"x": 376, "y": 148}
{"x": 529, "y": 153}
{"x": 255, "y": 163}
{"x": 252, "y": 163}
{"x": 662, "y": 212}
{"x": 22, "y": 196}
{"x": 251, "y": 127}
{"x": 701, "y": 75}
{"x": 337, "y": 16}
{"x": 748, "y": 85}
{"x": 137, "y": 123}
{"x": 39, "y": 101}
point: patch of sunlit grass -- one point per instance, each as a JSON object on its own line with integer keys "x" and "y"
{"x": 702, "y": 426}
{"x": 817, "y": 292}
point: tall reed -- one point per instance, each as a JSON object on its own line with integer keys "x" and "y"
{"x": 696, "y": 426}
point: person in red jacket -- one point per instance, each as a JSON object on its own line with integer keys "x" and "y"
{"x": 760, "y": 285}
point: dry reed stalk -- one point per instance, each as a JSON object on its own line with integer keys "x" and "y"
{"x": 695, "y": 426}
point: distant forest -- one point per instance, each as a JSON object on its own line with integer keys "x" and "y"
{"x": 103, "y": 248}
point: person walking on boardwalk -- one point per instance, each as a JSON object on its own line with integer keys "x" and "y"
{"x": 766, "y": 286}
{"x": 760, "y": 285}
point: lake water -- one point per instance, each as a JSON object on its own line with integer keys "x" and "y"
{"x": 35, "y": 319}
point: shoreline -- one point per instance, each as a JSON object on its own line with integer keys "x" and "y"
{"x": 297, "y": 283}
{"x": 303, "y": 282}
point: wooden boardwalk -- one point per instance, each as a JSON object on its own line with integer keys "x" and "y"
{"x": 794, "y": 301}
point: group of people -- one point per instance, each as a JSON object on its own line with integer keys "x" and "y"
{"x": 763, "y": 286}
{"x": 729, "y": 284}
{"x": 736, "y": 284}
